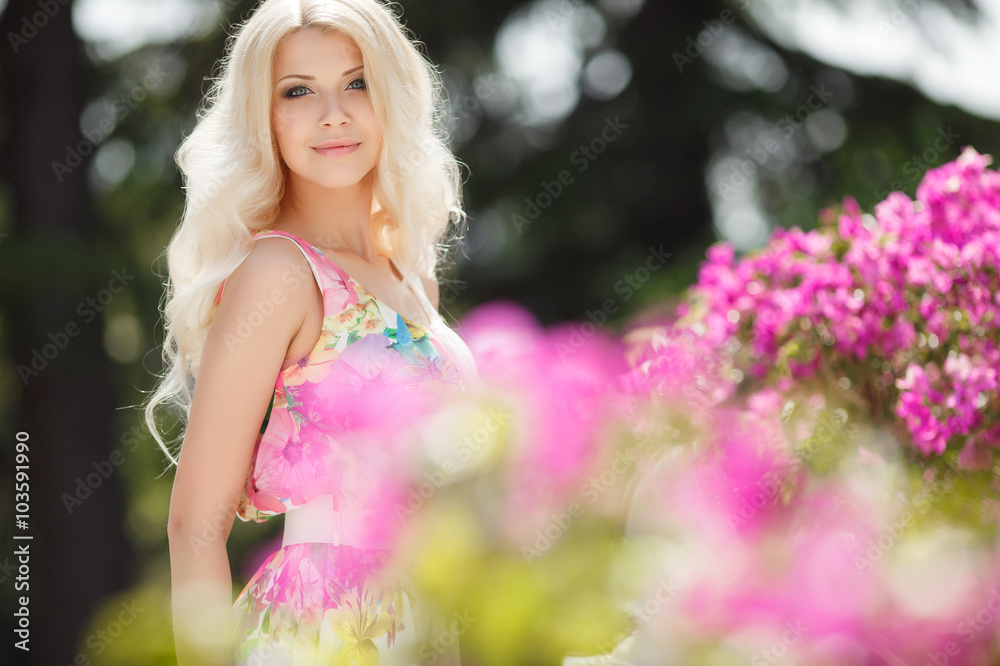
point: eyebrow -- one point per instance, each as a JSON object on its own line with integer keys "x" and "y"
{"x": 313, "y": 78}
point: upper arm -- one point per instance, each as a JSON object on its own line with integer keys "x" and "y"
{"x": 432, "y": 289}
{"x": 265, "y": 303}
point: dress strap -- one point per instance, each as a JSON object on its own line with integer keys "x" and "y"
{"x": 409, "y": 278}
{"x": 460, "y": 353}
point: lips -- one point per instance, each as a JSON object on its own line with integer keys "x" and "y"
{"x": 336, "y": 143}
{"x": 336, "y": 148}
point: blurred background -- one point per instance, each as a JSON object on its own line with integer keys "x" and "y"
{"x": 598, "y": 136}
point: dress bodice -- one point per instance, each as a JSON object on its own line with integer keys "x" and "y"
{"x": 306, "y": 447}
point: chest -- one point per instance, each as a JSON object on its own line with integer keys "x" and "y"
{"x": 383, "y": 281}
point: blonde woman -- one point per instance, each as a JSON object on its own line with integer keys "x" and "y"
{"x": 321, "y": 194}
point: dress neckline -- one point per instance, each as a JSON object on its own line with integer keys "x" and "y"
{"x": 357, "y": 286}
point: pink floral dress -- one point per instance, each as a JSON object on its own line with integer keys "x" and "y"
{"x": 324, "y": 602}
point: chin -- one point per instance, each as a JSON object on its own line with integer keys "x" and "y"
{"x": 334, "y": 181}
{"x": 342, "y": 181}
{"x": 335, "y": 176}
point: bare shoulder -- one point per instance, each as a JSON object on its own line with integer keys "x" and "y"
{"x": 432, "y": 289}
{"x": 273, "y": 269}
{"x": 270, "y": 288}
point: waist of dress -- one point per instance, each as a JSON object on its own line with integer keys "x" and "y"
{"x": 317, "y": 521}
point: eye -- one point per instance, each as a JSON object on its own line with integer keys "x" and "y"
{"x": 291, "y": 91}
{"x": 363, "y": 86}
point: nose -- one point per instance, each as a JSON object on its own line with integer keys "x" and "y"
{"x": 334, "y": 112}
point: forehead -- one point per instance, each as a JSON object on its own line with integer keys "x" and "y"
{"x": 311, "y": 51}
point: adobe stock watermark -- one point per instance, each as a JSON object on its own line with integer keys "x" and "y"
{"x": 202, "y": 197}
{"x": 890, "y": 536}
{"x": 483, "y": 88}
{"x": 696, "y": 46}
{"x": 7, "y": 570}
{"x": 643, "y": 611}
{"x": 471, "y": 103}
{"x": 779, "y": 649}
{"x": 121, "y": 107}
{"x": 47, "y": 9}
{"x": 228, "y": 5}
{"x": 463, "y": 450}
{"x": 772, "y": 141}
{"x": 972, "y": 625}
{"x": 562, "y": 11}
{"x": 262, "y": 654}
{"x": 451, "y": 290}
{"x": 264, "y": 308}
{"x": 831, "y": 429}
{"x": 591, "y": 491}
{"x": 432, "y": 649}
{"x": 85, "y": 486}
{"x": 88, "y": 309}
{"x": 581, "y": 158}
{"x": 212, "y": 531}
{"x": 901, "y": 14}
{"x": 627, "y": 286}
{"x": 917, "y": 165}
{"x": 221, "y": 177}
{"x": 100, "y": 640}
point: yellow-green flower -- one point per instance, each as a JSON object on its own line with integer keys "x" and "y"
{"x": 357, "y": 622}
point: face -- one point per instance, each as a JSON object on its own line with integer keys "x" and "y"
{"x": 321, "y": 114}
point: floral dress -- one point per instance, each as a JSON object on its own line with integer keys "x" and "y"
{"x": 325, "y": 602}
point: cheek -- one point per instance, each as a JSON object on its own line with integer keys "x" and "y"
{"x": 363, "y": 112}
{"x": 373, "y": 126}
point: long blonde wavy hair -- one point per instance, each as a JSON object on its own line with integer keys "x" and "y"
{"x": 234, "y": 177}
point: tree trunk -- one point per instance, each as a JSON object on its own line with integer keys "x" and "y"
{"x": 50, "y": 262}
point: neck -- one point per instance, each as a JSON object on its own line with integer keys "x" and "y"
{"x": 338, "y": 219}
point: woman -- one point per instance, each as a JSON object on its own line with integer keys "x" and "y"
{"x": 322, "y": 131}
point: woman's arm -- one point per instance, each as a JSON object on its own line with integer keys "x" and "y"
{"x": 239, "y": 366}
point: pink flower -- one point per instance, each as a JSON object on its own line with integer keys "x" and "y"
{"x": 366, "y": 390}
{"x": 293, "y": 456}
{"x": 874, "y": 293}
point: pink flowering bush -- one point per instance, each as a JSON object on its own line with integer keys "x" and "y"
{"x": 515, "y": 504}
{"x": 779, "y": 527}
{"x": 760, "y": 480}
{"x": 900, "y": 309}
{"x": 784, "y": 520}
{"x": 856, "y": 568}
